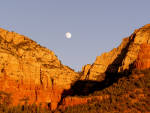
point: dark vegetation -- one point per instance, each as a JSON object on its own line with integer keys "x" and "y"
{"x": 23, "y": 109}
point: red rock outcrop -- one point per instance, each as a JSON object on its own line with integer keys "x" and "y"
{"x": 143, "y": 60}
{"x": 121, "y": 58}
{"x": 30, "y": 72}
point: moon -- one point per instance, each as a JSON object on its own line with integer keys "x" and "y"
{"x": 68, "y": 35}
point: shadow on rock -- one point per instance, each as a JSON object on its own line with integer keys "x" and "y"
{"x": 86, "y": 87}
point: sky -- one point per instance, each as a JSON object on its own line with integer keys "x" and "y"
{"x": 96, "y": 26}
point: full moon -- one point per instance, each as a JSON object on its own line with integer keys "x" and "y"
{"x": 68, "y": 35}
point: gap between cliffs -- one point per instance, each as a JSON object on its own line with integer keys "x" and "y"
{"x": 86, "y": 87}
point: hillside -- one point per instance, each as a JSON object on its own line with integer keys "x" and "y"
{"x": 129, "y": 94}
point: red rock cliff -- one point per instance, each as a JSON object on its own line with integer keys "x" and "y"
{"x": 123, "y": 57}
{"x": 143, "y": 60}
{"x": 31, "y": 72}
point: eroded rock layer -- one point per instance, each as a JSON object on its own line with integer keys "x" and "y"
{"x": 143, "y": 60}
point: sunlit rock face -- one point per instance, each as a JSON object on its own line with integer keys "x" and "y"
{"x": 143, "y": 60}
{"x": 123, "y": 57}
{"x": 31, "y": 72}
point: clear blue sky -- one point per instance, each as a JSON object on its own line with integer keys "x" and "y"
{"x": 97, "y": 26}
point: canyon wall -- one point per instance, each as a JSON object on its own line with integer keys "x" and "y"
{"x": 134, "y": 48}
{"x": 30, "y": 72}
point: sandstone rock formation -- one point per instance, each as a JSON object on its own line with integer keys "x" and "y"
{"x": 123, "y": 57}
{"x": 143, "y": 60}
{"x": 31, "y": 72}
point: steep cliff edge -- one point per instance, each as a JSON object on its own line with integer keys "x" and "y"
{"x": 123, "y": 57}
{"x": 30, "y": 72}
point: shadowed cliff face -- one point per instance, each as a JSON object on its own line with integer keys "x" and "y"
{"x": 28, "y": 70}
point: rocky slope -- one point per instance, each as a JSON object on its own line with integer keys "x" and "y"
{"x": 30, "y": 72}
{"x": 134, "y": 48}
{"x": 143, "y": 59}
